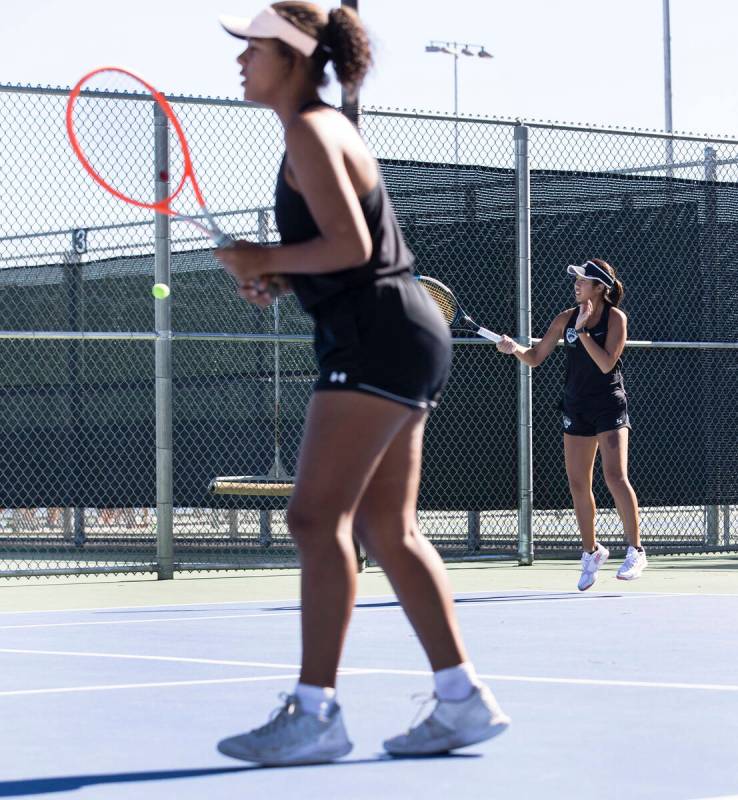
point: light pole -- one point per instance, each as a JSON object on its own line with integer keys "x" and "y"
{"x": 456, "y": 49}
{"x": 349, "y": 102}
{"x": 668, "y": 124}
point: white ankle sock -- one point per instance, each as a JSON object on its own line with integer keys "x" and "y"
{"x": 456, "y": 683}
{"x": 316, "y": 700}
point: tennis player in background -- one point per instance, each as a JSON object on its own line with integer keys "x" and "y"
{"x": 594, "y": 408}
{"x": 383, "y": 353}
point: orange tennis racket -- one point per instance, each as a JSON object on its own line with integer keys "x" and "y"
{"x": 114, "y": 143}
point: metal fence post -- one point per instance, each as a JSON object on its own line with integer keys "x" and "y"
{"x": 712, "y": 526}
{"x": 473, "y": 531}
{"x": 525, "y": 398}
{"x": 73, "y": 286}
{"x": 266, "y": 516}
{"x": 710, "y": 257}
{"x": 163, "y": 359}
{"x": 726, "y": 526}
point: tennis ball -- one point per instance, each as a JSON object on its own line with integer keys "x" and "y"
{"x": 160, "y": 291}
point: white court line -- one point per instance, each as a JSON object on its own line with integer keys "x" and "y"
{"x": 263, "y": 602}
{"x": 255, "y": 602}
{"x": 158, "y": 685}
{"x": 460, "y": 596}
{"x": 558, "y": 598}
{"x": 85, "y": 623}
{"x": 721, "y": 797}
{"x": 712, "y": 687}
{"x": 347, "y": 671}
{"x": 137, "y": 657}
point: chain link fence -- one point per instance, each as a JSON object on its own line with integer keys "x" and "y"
{"x": 495, "y": 209}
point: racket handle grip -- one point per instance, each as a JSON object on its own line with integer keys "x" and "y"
{"x": 222, "y": 239}
{"x": 487, "y": 334}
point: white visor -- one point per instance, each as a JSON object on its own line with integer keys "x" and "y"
{"x": 591, "y": 272}
{"x": 267, "y": 24}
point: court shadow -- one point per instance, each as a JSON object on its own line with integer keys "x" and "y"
{"x": 517, "y": 598}
{"x": 379, "y": 758}
{"x": 67, "y": 783}
{"x": 488, "y": 598}
{"x": 706, "y": 567}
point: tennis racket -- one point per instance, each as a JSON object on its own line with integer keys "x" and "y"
{"x": 451, "y": 310}
{"x": 114, "y": 142}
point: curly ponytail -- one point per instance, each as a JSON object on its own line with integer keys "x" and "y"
{"x": 341, "y": 37}
{"x": 349, "y": 48}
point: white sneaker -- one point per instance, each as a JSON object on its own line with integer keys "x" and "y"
{"x": 635, "y": 562}
{"x": 591, "y": 562}
{"x": 292, "y": 736}
{"x": 452, "y": 724}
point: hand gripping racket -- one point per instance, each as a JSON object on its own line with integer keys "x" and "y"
{"x": 451, "y": 310}
{"x": 113, "y": 140}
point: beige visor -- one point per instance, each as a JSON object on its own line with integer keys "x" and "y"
{"x": 267, "y": 24}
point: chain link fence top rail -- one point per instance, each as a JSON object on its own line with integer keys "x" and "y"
{"x": 77, "y": 402}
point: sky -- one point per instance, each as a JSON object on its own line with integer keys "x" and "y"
{"x": 596, "y": 62}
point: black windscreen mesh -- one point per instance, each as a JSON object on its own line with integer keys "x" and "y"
{"x": 77, "y": 418}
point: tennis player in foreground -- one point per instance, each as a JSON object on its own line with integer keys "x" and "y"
{"x": 594, "y": 408}
{"x": 383, "y": 353}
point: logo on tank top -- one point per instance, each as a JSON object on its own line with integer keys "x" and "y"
{"x": 571, "y": 336}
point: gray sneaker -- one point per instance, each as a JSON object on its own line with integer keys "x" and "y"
{"x": 452, "y": 724}
{"x": 292, "y": 736}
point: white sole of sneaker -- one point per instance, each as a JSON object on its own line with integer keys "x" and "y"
{"x": 227, "y": 748}
{"x": 315, "y": 758}
{"x": 465, "y": 739}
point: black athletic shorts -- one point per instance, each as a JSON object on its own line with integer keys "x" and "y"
{"x": 387, "y": 339}
{"x": 598, "y": 419}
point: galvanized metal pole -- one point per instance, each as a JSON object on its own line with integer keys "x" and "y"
{"x": 350, "y": 102}
{"x": 456, "y": 105}
{"x": 74, "y": 519}
{"x": 710, "y": 266}
{"x": 525, "y": 399}
{"x": 163, "y": 358}
{"x": 726, "y": 525}
{"x": 265, "y": 516}
{"x": 668, "y": 121}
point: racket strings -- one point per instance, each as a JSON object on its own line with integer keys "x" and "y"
{"x": 114, "y": 129}
{"x": 443, "y": 298}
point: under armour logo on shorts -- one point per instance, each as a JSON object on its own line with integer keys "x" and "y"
{"x": 567, "y": 422}
{"x": 337, "y": 377}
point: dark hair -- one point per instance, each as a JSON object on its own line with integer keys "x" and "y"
{"x": 341, "y": 37}
{"x": 614, "y": 294}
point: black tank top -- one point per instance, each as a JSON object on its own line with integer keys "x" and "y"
{"x": 390, "y": 255}
{"x": 586, "y": 386}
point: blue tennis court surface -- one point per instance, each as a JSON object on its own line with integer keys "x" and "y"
{"x": 612, "y": 695}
